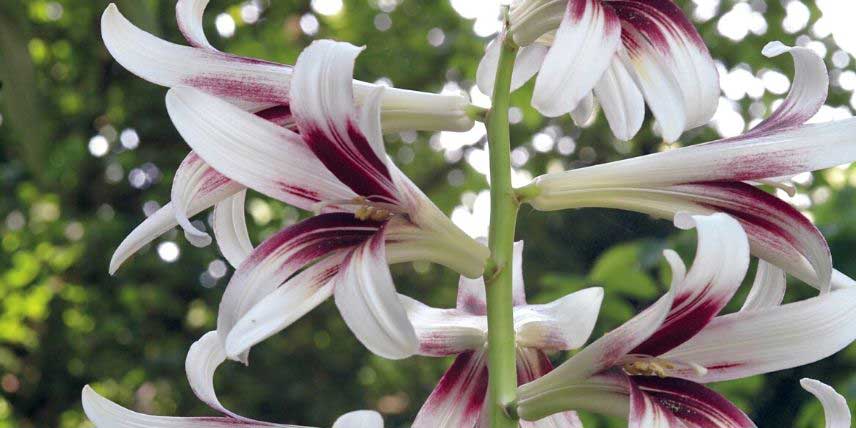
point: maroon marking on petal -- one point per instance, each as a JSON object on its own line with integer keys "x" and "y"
{"x": 320, "y": 234}
{"x": 280, "y": 115}
{"x": 577, "y": 8}
{"x": 300, "y": 192}
{"x": 435, "y": 344}
{"x": 755, "y": 206}
{"x": 241, "y": 89}
{"x": 460, "y": 373}
{"x": 356, "y": 166}
{"x": 682, "y": 325}
{"x": 463, "y": 386}
{"x": 756, "y": 167}
{"x": 529, "y": 369}
{"x": 473, "y": 305}
{"x": 694, "y": 403}
{"x": 655, "y": 18}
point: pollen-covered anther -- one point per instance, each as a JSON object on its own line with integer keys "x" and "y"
{"x": 649, "y": 367}
{"x": 642, "y": 365}
{"x": 367, "y": 212}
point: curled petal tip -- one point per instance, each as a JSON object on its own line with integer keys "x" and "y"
{"x": 775, "y": 48}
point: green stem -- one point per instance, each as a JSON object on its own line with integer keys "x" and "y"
{"x": 502, "y": 353}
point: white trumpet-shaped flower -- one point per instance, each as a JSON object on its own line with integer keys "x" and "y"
{"x": 720, "y": 176}
{"x": 457, "y": 401}
{"x": 651, "y": 369}
{"x": 621, "y": 54}
{"x": 255, "y": 85}
{"x": 370, "y": 214}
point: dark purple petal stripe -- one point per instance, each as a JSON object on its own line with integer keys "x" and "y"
{"x": 350, "y": 157}
{"x": 646, "y": 411}
{"x": 769, "y": 221}
{"x": 247, "y": 90}
{"x": 685, "y": 320}
{"x": 653, "y": 19}
{"x": 280, "y": 115}
{"x": 314, "y": 237}
{"x": 694, "y": 404}
{"x": 461, "y": 391}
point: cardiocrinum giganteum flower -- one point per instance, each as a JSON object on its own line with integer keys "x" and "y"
{"x": 457, "y": 401}
{"x": 651, "y": 369}
{"x": 621, "y": 54}
{"x": 257, "y": 86}
{"x": 722, "y": 175}
{"x": 370, "y": 212}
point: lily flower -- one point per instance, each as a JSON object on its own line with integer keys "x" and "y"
{"x": 107, "y": 414}
{"x": 622, "y": 54}
{"x": 651, "y": 369}
{"x": 457, "y": 400}
{"x": 835, "y": 409}
{"x": 370, "y": 212}
{"x": 720, "y": 176}
{"x": 255, "y": 85}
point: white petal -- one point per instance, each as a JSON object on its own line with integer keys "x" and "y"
{"x": 790, "y": 335}
{"x": 585, "y": 112}
{"x": 252, "y": 151}
{"x": 445, "y": 331}
{"x": 203, "y": 358}
{"x": 808, "y": 90}
{"x": 188, "y": 14}
{"x": 164, "y": 219}
{"x": 366, "y": 298}
{"x": 279, "y": 309}
{"x": 486, "y": 72}
{"x": 840, "y": 280}
{"x": 647, "y": 412}
{"x": 527, "y": 63}
{"x": 471, "y": 296}
{"x": 582, "y": 50}
{"x": 282, "y": 255}
{"x": 518, "y": 289}
{"x": 835, "y": 407}
{"x": 107, "y": 414}
{"x": 563, "y": 324}
{"x": 230, "y": 228}
{"x": 768, "y": 289}
{"x": 194, "y": 179}
{"x": 458, "y": 398}
{"x": 359, "y": 419}
{"x": 621, "y": 101}
{"x": 659, "y": 87}
{"x": 693, "y": 404}
{"x": 777, "y": 232}
{"x": 323, "y": 107}
{"x": 721, "y": 261}
{"x": 661, "y": 34}
{"x": 250, "y": 84}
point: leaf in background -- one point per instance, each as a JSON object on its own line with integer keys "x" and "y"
{"x": 19, "y": 98}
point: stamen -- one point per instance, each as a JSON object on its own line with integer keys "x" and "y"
{"x": 365, "y": 209}
{"x": 643, "y": 365}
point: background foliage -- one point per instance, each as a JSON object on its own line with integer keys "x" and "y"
{"x": 87, "y": 150}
